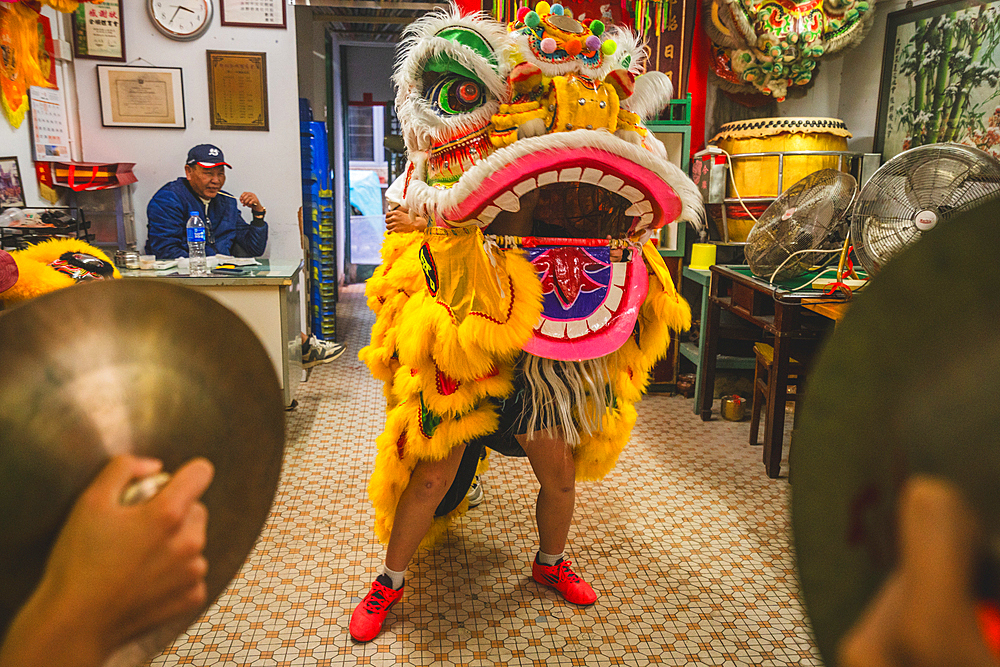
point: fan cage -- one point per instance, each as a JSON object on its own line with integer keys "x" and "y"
{"x": 936, "y": 180}
{"x": 805, "y": 220}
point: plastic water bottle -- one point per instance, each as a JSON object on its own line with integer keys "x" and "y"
{"x": 196, "y": 245}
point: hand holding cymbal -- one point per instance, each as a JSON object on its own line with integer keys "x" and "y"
{"x": 132, "y": 372}
{"x": 147, "y": 558}
{"x": 895, "y": 511}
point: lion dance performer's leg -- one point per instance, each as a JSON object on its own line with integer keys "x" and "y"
{"x": 538, "y": 338}
{"x": 551, "y": 460}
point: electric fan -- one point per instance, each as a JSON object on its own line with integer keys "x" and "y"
{"x": 915, "y": 191}
{"x": 808, "y": 218}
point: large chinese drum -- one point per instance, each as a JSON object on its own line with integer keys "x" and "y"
{"x": 760, "y": 176}
{"x": 764, "y": 177}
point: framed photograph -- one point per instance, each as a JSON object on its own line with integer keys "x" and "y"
{"x": 99, "y": 31}
{"x": 141, "y": 96}
{"x": 940, "y": 77}
{"x": 237, "y": 90}
{"x": 11, "y": 187}
{"x": 253, "y": 13}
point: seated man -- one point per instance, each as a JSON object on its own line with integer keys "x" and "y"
{"x": 201, "y": 190}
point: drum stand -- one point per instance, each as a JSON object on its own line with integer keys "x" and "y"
{"x": 712, "y": 171}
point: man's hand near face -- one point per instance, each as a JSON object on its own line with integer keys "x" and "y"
{"x": 250, "y": 200}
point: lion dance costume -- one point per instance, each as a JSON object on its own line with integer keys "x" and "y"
{"x": 572, "y": 315}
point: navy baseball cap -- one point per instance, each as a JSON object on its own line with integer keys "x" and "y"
{"x": 207, "y": 156}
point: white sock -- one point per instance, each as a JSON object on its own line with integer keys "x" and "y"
{"x": 549, "y": 559}
{"x": 397, "y": 577}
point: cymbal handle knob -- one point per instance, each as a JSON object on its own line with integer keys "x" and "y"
{"x": 143, "y": 489}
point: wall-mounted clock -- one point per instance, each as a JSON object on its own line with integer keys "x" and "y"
{"x": 181, "y": 19}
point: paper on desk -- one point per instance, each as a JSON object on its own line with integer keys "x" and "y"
{"x": 235, "y": 261}
{"x": 183, "y": 264}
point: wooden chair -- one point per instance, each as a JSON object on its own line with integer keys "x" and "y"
{"x": 762, "y": 375}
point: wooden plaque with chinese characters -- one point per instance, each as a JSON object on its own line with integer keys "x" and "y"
{"x": 670, "y": 51}
{"x": 237, "y": 90}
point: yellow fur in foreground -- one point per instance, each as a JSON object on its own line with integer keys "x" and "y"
{"x": 37, "y": 277}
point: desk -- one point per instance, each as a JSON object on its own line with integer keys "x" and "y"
{"x": 736, "y": 290}
{"x": 267, "y": 300}
{"x": 835, "y": 311}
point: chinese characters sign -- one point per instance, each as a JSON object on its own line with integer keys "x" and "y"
{"x": 671, "y": 47}
{"x": 256, "y": 13}
{"x": 98, "y": 31}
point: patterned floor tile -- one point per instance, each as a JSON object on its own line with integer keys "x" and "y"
{"x": 686, "y": 542}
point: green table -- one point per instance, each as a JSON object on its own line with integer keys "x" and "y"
{"x": 696, "y": 352}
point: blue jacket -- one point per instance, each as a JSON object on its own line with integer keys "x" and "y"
{"x": 168, "y": 212}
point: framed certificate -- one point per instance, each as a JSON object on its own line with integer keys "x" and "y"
{"x": 253, "y": 13}
{"x": 237, "y": 90}
{"x": 141, "y": 96}
{"x": 99, "y": 31}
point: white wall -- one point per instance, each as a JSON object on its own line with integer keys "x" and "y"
{"x": 267, "y": 163}
{"x": 312, "y": 71}
{"x": 862, "y": 79}
{"x": 311, "y": 39}
{"x": 824, "y": 95}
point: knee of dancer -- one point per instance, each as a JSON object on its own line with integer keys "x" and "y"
{"x": 432, "y": 487}
{"x": 561, "y": 488}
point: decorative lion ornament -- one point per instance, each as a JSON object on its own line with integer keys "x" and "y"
{"x": 536, "y": 280}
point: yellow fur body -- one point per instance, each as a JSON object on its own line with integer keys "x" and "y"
{"x": 433, "y": 362}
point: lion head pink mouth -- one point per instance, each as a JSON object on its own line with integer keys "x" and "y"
{"x": 651, "y": 203}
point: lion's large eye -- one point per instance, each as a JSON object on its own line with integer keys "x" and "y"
{"x": 454, "y": 94}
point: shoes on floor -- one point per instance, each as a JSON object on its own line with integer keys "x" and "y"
{"x": 475, "y": 494}
{"x": 316, "y": 351}
{"x": 369, "y": 615}
{"x": 562, "y": 578}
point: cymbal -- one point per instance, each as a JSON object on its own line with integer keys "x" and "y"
{"x": 909, "y": 383}
{"x": 141, "y": 367}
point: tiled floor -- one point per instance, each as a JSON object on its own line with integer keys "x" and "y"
{"x": 686, "y": 543}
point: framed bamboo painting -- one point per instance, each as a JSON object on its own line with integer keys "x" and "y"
{"x": 940, "y": 71}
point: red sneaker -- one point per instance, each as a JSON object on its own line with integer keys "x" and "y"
{"x": 562, "y": 578}
{"x": 369, "y": 615}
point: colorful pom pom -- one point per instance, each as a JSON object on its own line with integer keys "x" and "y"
{"x": 531, "y": 19}
{"x": 597, "y": 27}
{"x": 557, "y": 9}
{"x": 543, "y": 8}
{"x": 593, "y": 43}
{"x": 573, "y": 47}
{"x": 549, "y": 45}
{"x": 609, "y": 47}
{"x": 521, "y": 13}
